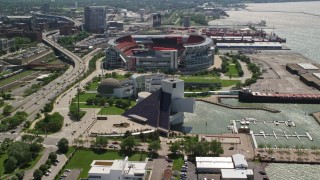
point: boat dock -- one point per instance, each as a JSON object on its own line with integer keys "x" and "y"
{"x": 307, "y": 135}
{"x": 275, "y": 135}
{"x": 211, "y": 101}
{"x": 255, "y": 121}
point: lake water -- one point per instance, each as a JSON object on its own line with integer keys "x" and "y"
{"x": 218, "y": 118}
{"x": 298, "y": 22}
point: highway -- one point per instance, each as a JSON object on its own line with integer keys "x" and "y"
{"x": 76, "y": 22}
{"x": 35, "y": 102}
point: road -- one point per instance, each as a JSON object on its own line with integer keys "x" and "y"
{"x": 35, "y": 102}
{"x": 29, "y": 174}
{"x": 62, "y": 106}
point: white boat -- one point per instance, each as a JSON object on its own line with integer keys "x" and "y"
{"x": 247, "y": 122}
{"x": 276, "y": 122}
{"x": 242, "y": 122}
{"x": 250, "y": 119}
{"x": 261, "y": 132}
{"x": 290, "y": 123}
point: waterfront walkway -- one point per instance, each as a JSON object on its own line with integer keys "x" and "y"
{"x": 316, "y": 116}
{"x": 216, "y": 101}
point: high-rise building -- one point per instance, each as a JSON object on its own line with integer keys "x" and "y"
{"x": 186, "y": 21}
{"x": 156, "y": 20}
{"x": 45, "y": 8}
{"x": 95, "y": 19}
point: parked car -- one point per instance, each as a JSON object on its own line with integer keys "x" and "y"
{"x": 169, "y": 165}
{"x": 231, "y": 148}
{"x": 46, "y": 174}
{"x": 68, "y": 170}
{"x": 262, "y": 172}
{"x": 63, "y": 175}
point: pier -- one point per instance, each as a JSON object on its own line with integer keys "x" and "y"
{"x": 298, "y": 136}
{"x": 275, "y": 135}
{"x": 216, "y": 102}
{"x": 255, "y": 121}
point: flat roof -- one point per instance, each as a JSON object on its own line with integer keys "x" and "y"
{"x": 233, "y": 173}
{"x": 317, "y": 75}
{"x": 213, "y": 159}
{"x": 239, "y": 160}
{"x": 215, "y": 165}
{"x": 256, "y": 44}
{"x": 308, "y": 66}
{"x": 100, "y": 170}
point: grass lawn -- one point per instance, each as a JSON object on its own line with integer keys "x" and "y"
{"x": 177, "y": 163}
{"x": 232, "y": 71}
{"x": 15, "y": 77}
{"x": 70, "y": 150}
{"x": 93, "y": 86}
{"x": 112, "y": 110}
{"x": 226, "y": 83}
{"x": 83, "y": 158}
{"x": 209, "y": 79}
{"x": 2, "y": 159}
{"x": 85, "y": 96}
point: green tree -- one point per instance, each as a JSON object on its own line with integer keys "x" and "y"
{"x": 101, "y": 141}
{"x": 37, "y": 174}
{"x": 110, "y": 101}
{"x": 48, "y": 107}
{"x": 128, "y": 144}
{"x": 14, "y": 178}
{"x": 43, "y": 168}
{"x": 127, "y": 134}
{"x": 216, "y": 147}
{"x": 63, "y": 145}
{"x": 50, "y": 123}
{"x": 52, "y": 156}
{"x": 7, "y": 110}
{"x": 21, "y": 152}
{"x": 154, "y": 146}
{"x": 174, "y": 147}
{"x": 10, "y": 164}
{"x": 20, "y": 175}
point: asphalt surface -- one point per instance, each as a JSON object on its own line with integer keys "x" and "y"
{"x": 35, "y": 102}
{"x": 29, "y": 174}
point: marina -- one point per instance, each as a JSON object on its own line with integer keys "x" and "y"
{"x": 288, "y": 122}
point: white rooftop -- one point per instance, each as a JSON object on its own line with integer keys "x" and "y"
{"x": 239, "y": 161}
{"x": 99, "y": 170}
{"x": 235, "y": 173}
{"x": 213, "y": 159}
{"x": 128, "y": 167}
{"x": 215, "y": 165}
{"x": 317, "y": 75}
{"x": 308, "y": 66}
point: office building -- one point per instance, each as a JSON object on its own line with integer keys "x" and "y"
{"x": 186, "y": 21}
{"x": 117, "y": 170}
{"x": 95, "y": 19}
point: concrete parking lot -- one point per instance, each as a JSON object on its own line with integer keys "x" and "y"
{"x": 73, "y": 174}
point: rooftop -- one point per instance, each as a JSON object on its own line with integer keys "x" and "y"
{"x": 308, "y": 66}
{"x": 235, "y": 173}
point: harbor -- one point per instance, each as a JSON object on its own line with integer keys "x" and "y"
{"x": 274, "y": 125}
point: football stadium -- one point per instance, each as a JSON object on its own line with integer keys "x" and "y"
{"x": 184, "y": 53}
